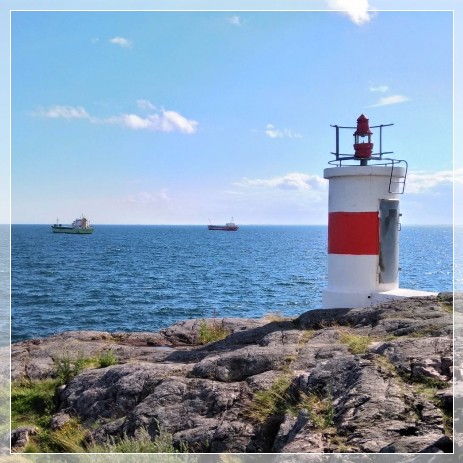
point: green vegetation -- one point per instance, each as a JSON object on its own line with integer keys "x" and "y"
{"x": 279, "y": 399}
{"x": 212, "y": 331}
{"x": 448, "y": 422}
{"x": 32, "y": 402}
{"x": 357, "y": 344}
{"x": 445, "y": 302}
{"x": 68, "y": 439}
{"x": 320, "y": 408}
{"x": 423, "y": 386}
{"x": 306, "y": 336}
{"x": 4, "y": 408}
{"x": 162, "y": 443}
{"x": 341, "y": 443}
{"x": 447, "y": 307}
{"x": 107, "y": 358}
{"x": 67, "y": 368}
{"x": 273, "y": 401}
{"x": 274, "y": 317}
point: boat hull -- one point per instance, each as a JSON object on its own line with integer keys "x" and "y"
{"x": 72, "y": 230}
{"x": 222, "y": 228}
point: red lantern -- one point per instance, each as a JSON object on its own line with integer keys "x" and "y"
{"x": 363, "y": 150}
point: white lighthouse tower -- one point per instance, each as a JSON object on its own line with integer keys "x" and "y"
{"x": 363, "y": 224}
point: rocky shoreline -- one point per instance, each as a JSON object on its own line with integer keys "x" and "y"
{"x": 342, "y": 380}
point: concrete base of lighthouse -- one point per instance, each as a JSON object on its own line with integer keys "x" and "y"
{"x": 352, "y": 300}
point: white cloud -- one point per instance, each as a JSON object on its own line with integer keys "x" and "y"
{"x": 272, "y": 132}
{"x": 359, "y": 11}
{"x": 173, "y": 121}
{"x": 291, "y": 181}
{"x": 379, "y": 88}
{"x": 60, "y": 111}
{"x": 145, "y": 104}
{"x": 388, "y": 100}
{"x": 121, "y": 41}
{"x": 235, "y": 20}
{"x": 162, "y": 121}
{"x": 165, "y": 121}
{"x": 420, "y": 181}
{"x": 132, "y": 121}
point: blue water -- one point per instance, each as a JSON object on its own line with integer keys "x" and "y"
{"x": 4, "y": 285}
{"x": 143, "y": 278}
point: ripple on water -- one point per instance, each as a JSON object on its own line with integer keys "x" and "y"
{"x": 130, "y": 278}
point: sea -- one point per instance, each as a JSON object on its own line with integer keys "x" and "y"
{"x": 145, "y": 278}
{"x": 4, "y": 285}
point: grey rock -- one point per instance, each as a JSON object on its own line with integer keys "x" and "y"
{"x": 398, "y": 318}
{"x": 59, "y": 420}
{"x": 203, "y": 394}
{"x": 289, "y": 431}
{"x": 112, "y": 392}
{"x": 242, "y": 363}
{"x": 431, "y": 443}
{"x": 446, "y": 398}
{"x": 418, "y": 357}
{"x": 21, "y": 436}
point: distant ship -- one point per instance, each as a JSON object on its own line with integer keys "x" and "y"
{"x": 230, "y": 226}
{"x": 78, "y": 227}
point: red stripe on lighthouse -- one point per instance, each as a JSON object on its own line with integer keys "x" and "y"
{"x": 354, "y": 233}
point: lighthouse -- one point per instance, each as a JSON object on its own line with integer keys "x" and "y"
{"x": 364, "y": 223}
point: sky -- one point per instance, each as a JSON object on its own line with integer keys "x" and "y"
{"x": 190, "y": 117}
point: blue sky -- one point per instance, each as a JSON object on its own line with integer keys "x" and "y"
{"x": 182, "y": 117}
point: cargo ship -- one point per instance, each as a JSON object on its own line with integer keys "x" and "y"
{"x": 230, "y": 226}
{"x": 78, "y": 227}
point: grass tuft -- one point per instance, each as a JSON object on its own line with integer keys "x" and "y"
{"x": 320, "y": 409}
{"x": 107, "y": 358}
{"x": 356, "y": 343}
{"x": 272, "y": 401}
{"x": 68, "y": 439}
{"x": 32, "y": 402}
{"x": 162, "y": 443}
{"x": 67, "y": 368}
{"x": 274, "y": 317}
{"x": 212, "y": 331}
{"x": 279, "y": 399}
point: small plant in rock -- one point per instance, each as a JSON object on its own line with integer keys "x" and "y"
{"x": 280, "y": 398}
{"x": 356, "y": 343}
{"x": 274, "y": 317}
{"x": 68, "y": 439}
{"x": 67, "y": 368}
{"x": 272, "y": 401}
{"x": 107, "y": 358}
{"x": 143, "y": 443}
{"x": 306, "y": 336}
{"x": 320, "y": 409}
{"x": 211, "y": 331}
